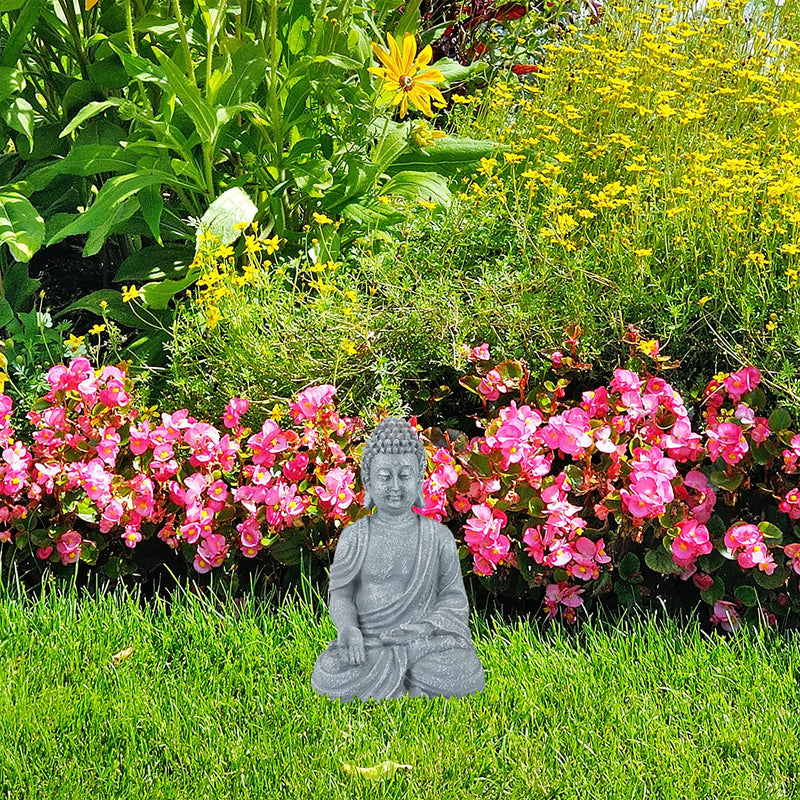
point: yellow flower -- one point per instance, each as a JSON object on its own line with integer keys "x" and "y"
{"x": 74, "y": 342}
{"x": 351, "y": 295}
{"x": 277, "y": 412}
{"x": 790, "y": 249}
{"x": 405, "y": 77}
{"x": 240, "y": 226}
{"x": 349, "y": 347}
{"x": 97, "y": 329}
{"x": 487, "y": 165}
{"x": 321, "y": 219}
{"x": 225, "y": 251}
{"x": 644, "y": 251}
{"x": 271, "y": 244}
{"x": 104, "y": 304}
{"x": 128, "y": 293}
{"x": 423, "y": 136}
{"x": 252, "y": 245}
{"x": 212, "y": 316}
{"x": 428, "y": 204}
{"x": 703, "y": 300}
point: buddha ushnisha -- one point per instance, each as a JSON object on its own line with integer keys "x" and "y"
{"x": 396, "y": 593}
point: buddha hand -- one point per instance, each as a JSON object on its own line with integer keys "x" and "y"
{"x": 408, "y": 632}
{"x": 352, "y": 641}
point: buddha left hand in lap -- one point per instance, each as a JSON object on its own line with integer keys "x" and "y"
{"x": 396, "y": 592}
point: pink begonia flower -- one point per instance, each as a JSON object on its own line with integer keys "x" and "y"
{"x": 43, "y": 552}
{"x": 217, "y": 495}
{"x": 728, "y": 441}
{"x": 310, "y": 401}
{"x": 743, "y": 535}
{"x": 563, "y": 594}
{"x": 595, "y": 403}
{"x": 491, "y": 385}
{"x": 745, "y": 414}
{"x": 532, "y": 537}
{"x": 210, "y": 553}
{"x": 556, "y": 359}
{"x": 628, "y": 385}
{"x": 267, "y": 443}
{"x": 726, "y": 614}
{"x": 479, "y": 353}
{"x": 702, "y": 581}
{"x": 791, "y": 504}
{"x": 692, "y": 541}
{"x": 140, "y": 437}
{"x": 69, "y": 547}
{"x": 337, "y": 492}
{"x": 203, "y": 439}
{"x": 108, "y": 448}
{"x": 792, "y": 552}
{"x": 739, "y": 383}
{"x": 235, "y": 408}
{"x": 761, "y": 431}
{"x": 757, "y": 554}
{"x": 295, "y": 469}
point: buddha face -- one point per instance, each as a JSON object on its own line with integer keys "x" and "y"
{"x": 394, "y": 482}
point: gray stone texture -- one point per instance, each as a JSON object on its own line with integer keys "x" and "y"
{"x": 396, "y": 593}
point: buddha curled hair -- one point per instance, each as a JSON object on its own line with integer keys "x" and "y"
{"x": 392, "y": 435}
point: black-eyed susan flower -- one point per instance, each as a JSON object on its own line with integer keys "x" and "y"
{"x": 405, "y": 77}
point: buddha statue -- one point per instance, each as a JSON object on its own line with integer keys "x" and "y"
{"x": 396, "y": 593}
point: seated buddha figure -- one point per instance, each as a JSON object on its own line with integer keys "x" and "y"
{"x": 396, "y": 593}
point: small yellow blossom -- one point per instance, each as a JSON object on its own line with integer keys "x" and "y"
{"x": 644, "y": 251}
{"x": 74, "y": 342}
{"x": 348, "y": 347}
{"x": 96, "y": 329}
{"x": 128, "y": 293}
{"x": 703, "y": 300}
{"x": 321, "y": 219}
{"x": 271, "y": 245}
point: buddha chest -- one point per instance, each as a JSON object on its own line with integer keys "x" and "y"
{"x": 388, "y": 563}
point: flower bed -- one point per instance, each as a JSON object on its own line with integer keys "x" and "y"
{"x": 562, "y": 500}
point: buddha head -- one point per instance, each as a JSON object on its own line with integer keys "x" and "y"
{"x": 393, "y": 467}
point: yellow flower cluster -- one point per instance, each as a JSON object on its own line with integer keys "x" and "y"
{"x": 658, "y": 134}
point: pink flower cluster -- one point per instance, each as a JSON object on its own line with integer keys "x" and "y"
{"x": 746, "y": 542}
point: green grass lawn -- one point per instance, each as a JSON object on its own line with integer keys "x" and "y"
{"x": 215, "y": 701}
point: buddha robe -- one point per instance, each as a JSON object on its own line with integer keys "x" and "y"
{"x": 444, "y": 663}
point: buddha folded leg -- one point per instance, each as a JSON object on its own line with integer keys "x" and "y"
{"x": 445, "y": 666}
{"x": 380, "y": 676}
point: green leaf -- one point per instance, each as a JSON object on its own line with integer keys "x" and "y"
{"x": 627, "y": 593}
{"x": 629, "y": 566}
{"x": 200, "y": 112}
{"x": 99, "y": 217}
{"x": 453, "y": 72}
{"x": 157, "y": 295}
{"x": 19, "y": 117}
{"x": 659, "y": 560}
{"x": 15, "y": 43}
{"x": 6, "y": 315}
{"x": 249, "y": 65}
{"x": 121, "y": 212}
{"x": 779, "y": 420}
{"x": 11, "y": 82}
{"x": 778, "y": 577}
{"x": 83, "y": 159}
{"x": 155, "y": 262}
{"x": 18, "y": 285}
{"x": 449, "y": 156}
{"x": 140, "y": 68}
{"x": 714, "y": 592}
{"x": 419, "y": 186}
{"x": 724, "y": 481}
{"x": 21, "y": 226}
{"x": 230, "y": 208}
{"x": 771, "y": 532}
{"x": 91, "y": 110}
{"x": 747, "y": 594}
{"x": 152, "y": 204}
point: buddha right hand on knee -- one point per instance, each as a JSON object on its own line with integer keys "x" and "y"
{"x": 352, "y": 642}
